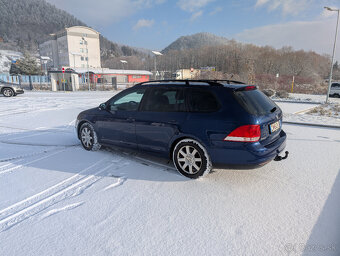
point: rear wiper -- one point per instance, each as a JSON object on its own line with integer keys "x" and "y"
{"x": 273, "y": 110}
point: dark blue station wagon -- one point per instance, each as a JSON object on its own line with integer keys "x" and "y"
{"x": 198, "y": 124}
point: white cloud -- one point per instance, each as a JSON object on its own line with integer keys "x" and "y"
{"x": 193, "y": 5}
{"x": 216, "y": 10}
{"x": 196, "y": 15}
{"x": 289, "y": 7}
{"x": 142, "y": 23}
{"x": 314, "y": 35}
{"x": 103, "y": 12}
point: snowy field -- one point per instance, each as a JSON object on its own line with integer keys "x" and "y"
{"x": 58, "y": 199}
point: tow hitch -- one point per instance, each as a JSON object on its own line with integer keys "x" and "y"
{"x": 279, "y": 158}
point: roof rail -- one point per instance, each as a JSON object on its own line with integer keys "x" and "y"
{"x": 187, "y": 82}
{"x": 229, "y": 81}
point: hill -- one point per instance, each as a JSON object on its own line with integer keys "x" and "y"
{"x": 196, "y": 41}
{"x": 24, "y": 23}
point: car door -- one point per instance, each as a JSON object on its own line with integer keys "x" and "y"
{"x": 117, "y": 125}
{"x": 161, "y": 116}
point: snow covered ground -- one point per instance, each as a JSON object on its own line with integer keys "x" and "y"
{"x": 299, "y": 111}
{"x": 58, "y": 199}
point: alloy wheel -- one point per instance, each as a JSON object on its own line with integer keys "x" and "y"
{"x": 86, "y": 137}
{"x": 8, "y": 93}
{"x": 189, "y": 159}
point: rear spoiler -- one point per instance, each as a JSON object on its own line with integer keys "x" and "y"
{"x": 246, "y": 88}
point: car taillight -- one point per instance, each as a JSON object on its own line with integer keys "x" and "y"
{"x": 250, "y": 88}
{"x": 245, "y": 133}
{"x": 246, "y": 88}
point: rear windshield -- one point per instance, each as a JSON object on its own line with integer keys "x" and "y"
{"x": 255, "y": 102}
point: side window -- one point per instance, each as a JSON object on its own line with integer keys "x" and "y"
{"x": 165, "y": 100}
{"x": 128, "y": 102}
{"x": 203, "y": 101}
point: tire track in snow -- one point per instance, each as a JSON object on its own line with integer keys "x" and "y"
{"x": 59, "y": 192}
{"x": 24, "y": 164}
{"x": 57, "y": 186}
{"x": 19, "y": 158}
{"x": 120, "y": 181}
{"x": 62, "y": 209}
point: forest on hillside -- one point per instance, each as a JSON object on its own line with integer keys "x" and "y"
{"x": 25, "y": 23}
{"x": 265, "y": 66}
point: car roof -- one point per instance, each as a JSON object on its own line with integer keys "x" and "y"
{"x": 191, "y": 83}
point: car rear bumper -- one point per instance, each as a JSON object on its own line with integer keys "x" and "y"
{"x": 247, "y": 155}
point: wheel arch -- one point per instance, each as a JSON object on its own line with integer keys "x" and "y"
{"x": 6, "y": 87}
{"x": 184, "y": 137}
{"x": 81, "y": 123}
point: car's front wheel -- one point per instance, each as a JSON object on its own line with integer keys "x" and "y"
{"x": 8, "y": 92}
{"x": 88, "y": 137}
{"x": 191, "y": 159}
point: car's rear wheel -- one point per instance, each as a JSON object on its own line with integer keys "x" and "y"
{"x": 191, "y": 159}
{"x": 8, "y": 92}
{"x": 88, "y": 137}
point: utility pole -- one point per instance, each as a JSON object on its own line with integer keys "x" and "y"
{"x": 332, "y": 63}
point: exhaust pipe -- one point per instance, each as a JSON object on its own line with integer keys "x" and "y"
{"x": 280, "y": 158}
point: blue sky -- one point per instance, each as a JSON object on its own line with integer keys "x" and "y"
{"x": 154, "y": 24}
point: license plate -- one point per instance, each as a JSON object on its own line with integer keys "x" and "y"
{"x": 274, "y": 127}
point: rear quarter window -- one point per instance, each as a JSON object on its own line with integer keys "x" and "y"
{"x": 255, "y": 102}
{"x": 202, "y": 101}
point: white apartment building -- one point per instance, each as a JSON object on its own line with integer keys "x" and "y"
{"x": 74, "y": 47}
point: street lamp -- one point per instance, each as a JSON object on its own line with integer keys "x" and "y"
{"x": 156, "y": 54}
{"x": 336, "y": 35}
{"x": 88, "y": 71}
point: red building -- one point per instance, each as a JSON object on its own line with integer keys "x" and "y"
{"x": 113, "y": 76}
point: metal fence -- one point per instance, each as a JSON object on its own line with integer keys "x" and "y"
{"x": 27, "y": 82}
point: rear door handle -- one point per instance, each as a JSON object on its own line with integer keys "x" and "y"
{"x": 156, "y": 124}
{"x": 173, "y": 122}
{"x": 130, "y": 119}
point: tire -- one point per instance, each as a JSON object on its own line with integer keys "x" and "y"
{"x": 8, "y": 92}
{"x": 88, "y": 137}
{"x": 191, "y": 159}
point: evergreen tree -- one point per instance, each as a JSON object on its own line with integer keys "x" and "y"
{"x": 28, "y": 65}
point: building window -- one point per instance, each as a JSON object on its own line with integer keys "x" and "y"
{"x": 84, "y": 35}
{"x": 82, "y": 58}
{"x": 81, "y": 42}
{"x": 81, "y": 50}
{"x": 86, "y": 58}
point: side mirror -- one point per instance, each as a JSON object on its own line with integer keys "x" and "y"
{"x": 102, "y": 106}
